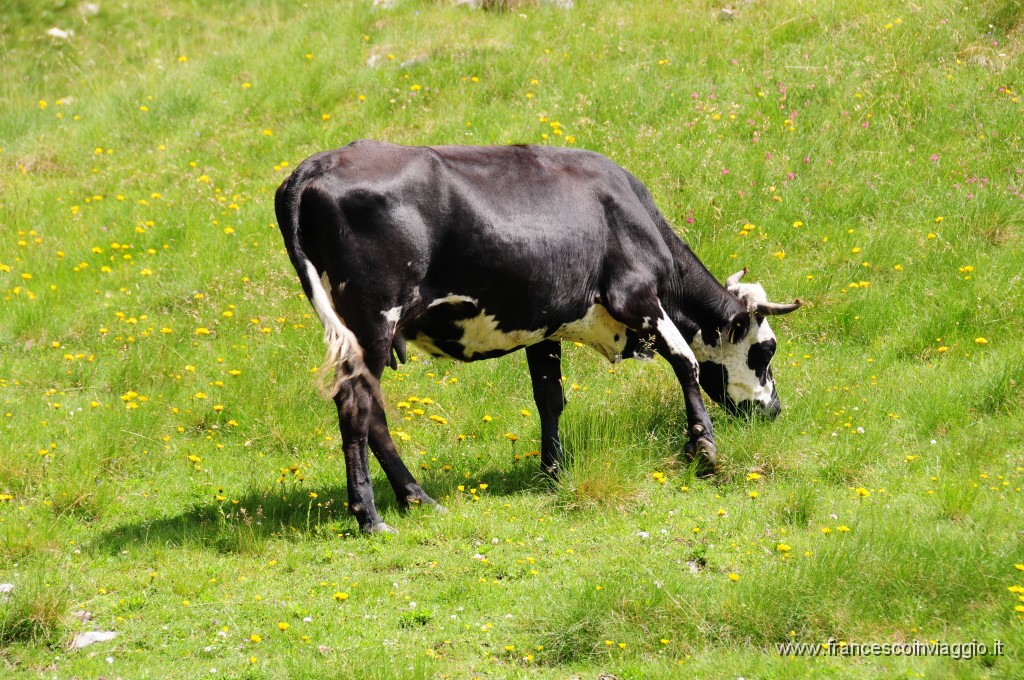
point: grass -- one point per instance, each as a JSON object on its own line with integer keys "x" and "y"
{"x": 168, "y": 467}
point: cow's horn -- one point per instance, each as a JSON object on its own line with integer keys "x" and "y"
{"x": 735, "y": 278}
{"x": 776, "y": 308}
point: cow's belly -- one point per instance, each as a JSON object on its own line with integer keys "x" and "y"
{"x": 457, "y": 327}
{"x": 480, "y": 339}
{"x": 597, "y": 329}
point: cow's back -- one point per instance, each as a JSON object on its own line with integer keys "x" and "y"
{"x": 534, "y": 234}
{"x": 536, "y": 201}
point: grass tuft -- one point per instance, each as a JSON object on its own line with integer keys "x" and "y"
{"x": 34, "y": 612}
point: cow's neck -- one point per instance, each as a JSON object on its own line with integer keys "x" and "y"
{"x": 700, "y": 302}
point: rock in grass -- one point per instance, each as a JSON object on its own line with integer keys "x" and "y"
{"x": 497, "y": 4}
{"x": 85, "y": 639}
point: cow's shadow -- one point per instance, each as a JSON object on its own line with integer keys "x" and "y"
{"x": 245, "y": 523}
{"x": 295, "y": 511}
{"x": 237, "y": 522}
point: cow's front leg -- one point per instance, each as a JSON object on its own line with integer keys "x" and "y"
{"x": 672, "y": 346}
{"x": 355, "y": 405}
{"x": 407, "y": 489}
{"x": 545, "y": 361}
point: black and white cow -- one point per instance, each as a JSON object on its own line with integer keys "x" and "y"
{"x": 475, "y": 252}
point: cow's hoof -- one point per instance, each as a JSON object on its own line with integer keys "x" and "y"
{"x": 440, "y": 509}
{"x": 551, "y": 472}
{"x": 702, "y": 452}
{"x": 422, "y": 500}
{"x": 379, "y": 528}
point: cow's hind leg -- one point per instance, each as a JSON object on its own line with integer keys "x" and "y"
{"x": 545, "y": 361}
{"x": 376, "y": 333}
{"x": 407, "y": 489}
{"x": 354, "y": 400}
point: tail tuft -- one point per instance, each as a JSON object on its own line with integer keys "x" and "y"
{"x": 343, "y": 361}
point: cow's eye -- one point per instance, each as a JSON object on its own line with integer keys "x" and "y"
{"x": 738, "y": 329}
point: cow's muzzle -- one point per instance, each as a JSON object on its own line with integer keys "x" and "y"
{"x": 755, "y": 409}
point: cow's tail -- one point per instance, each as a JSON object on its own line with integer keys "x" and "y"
{"x": 344, "y": 357}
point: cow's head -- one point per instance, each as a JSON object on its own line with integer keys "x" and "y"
{"x": 734, "y": 367}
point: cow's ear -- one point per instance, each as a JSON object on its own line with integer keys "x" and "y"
{"x": 738, "y": 328}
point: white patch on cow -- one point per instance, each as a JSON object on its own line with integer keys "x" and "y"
{"x": 743, "y": 382}
{"x": 745, "y": 386}
{"x": 595, "y": 329}
{"x": 752, "y": 294}
{"x": 326, "y": 283}
{"x": 392, "y": 315}
{"x": 427, "y": 345}
{"x": 674, "y": 339}
{"x": 480, "y": 334}
{"x": 453, "y": 299}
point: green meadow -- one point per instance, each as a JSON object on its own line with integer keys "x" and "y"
{"x": 169, "y": 472}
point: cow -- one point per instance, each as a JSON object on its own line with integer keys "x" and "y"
{"x": 474, "y": 252}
